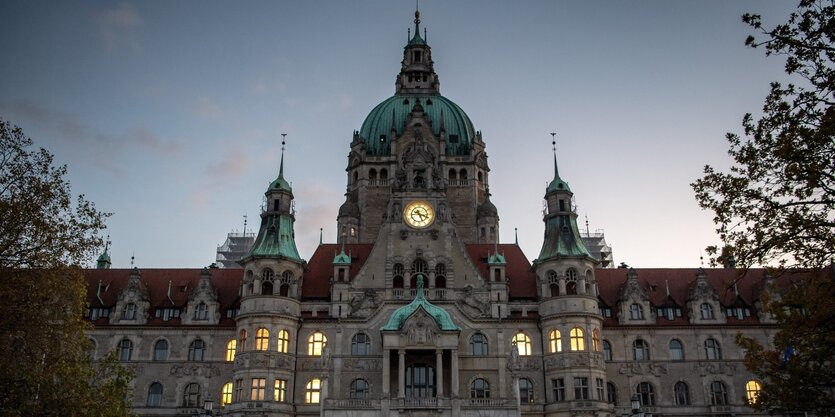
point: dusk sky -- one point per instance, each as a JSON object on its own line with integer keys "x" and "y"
{"x": 169, "y": 114}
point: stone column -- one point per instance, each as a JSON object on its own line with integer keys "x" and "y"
{"x": 386, "y": 372}
{"x": 401, "y": 374}
{"x": 439, "y": 372}
{"x": 453, "y": 379}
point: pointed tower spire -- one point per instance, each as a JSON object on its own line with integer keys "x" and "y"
{"x": 103, "y": 262}
{"x": 281, "y": 165}
{"x": 554, "y": 147}
{"x": 320, "y": 236}
{"x": 516, "y": 232}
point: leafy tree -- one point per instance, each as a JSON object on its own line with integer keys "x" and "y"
{"x": 776, "y": 206}
{"x": 45, "y": 366}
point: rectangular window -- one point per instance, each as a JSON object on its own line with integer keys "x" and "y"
{"x": 280, "y": 390}
{"x": 558, "y": 387}
{"x": 258, "y": 389}
{"x": 581, "y": 388}
{"x": 239, "y": 390}
{"x": 601, "y": 393}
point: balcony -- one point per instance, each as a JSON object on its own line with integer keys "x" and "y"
{"x": 356, "y": 404}
{"x": 419, "y": 403}
{"x": 485, "y": 402}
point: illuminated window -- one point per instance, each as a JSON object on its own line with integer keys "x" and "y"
{"x": 201, "y": 312}
{"x": 242, "y": 340}
{"x": 595, "y": 340}
{"x": 646, "y": 394}
{"x": 682, "y": 393}
{"x": 718, "y": 393}
{"x": 196, "y": 350}
{"x": 231, "y": 345}
{"x": 555, "y": 341}
{"x": 262, "y": 339}
{"x": 360, "y": 344}
{"x": 358, "y": 389}
{"x": 706, "y": 311}
{"x": 478, "y": 345}
{"x": 607, "y": 350}
{"x": 257, "y": 392}
{"x": 280, "y": 393}
{"x": 525, "y": 391}
{"x": 155, "y": 395}
{"x": 283, "y": 341}
{"x": 676, "y": 350}
{"x": 312, "y": 390}
{"x": 522, "y": 343}
{"x": 125, "y": 350}
{"x": 578, "y": 339}
{"x": 191, "y": 395}
{"x": 161, "y": 350}
{"x": 226, "y": 394}
{"x": 712, "y": 349}
{"x": 752, "y": 391}
{"x": 640, "y": 350}
{"x": 315, "y": 345}
{"x": 480, "y": 388}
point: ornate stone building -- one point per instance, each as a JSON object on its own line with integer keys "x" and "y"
{"x": 418, "y": 310}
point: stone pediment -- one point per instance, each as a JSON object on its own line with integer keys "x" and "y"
{"x": 420, "y": 329}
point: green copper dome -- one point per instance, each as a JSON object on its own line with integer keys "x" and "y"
{"x": 376, "y": 129}
{"x": 441, "y": 317}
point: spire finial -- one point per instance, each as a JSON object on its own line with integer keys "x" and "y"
{"x": 588, "y": 232}
{"x": 245, "y": 224}
{"x": 667, "y": 284}
{"x": 320, "y": 236}
{"x": 554, "y": 147}
{"x": 107, "y": 243}
{"x": 281, "y": 167}
{"x": 132, "y": 258}
{"x": 516, "y": 232}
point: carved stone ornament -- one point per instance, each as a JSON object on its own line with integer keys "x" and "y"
{"x": 715, "y": 368}
{"x": 194, "y": 370}
{"x": 361, "y": 365}
{"x": 420, "y": 329}
{"x": 365, "y": 304}
{"x": 472, "y": 303}
{"x": 634, "y": 368}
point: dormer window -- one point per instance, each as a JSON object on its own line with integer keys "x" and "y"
{"x": 201, "y": 312}
{"x": 417, "y": 56}
{"x": 129, "y": 313}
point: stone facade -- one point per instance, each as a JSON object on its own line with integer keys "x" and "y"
{"x": 417, "y": 310}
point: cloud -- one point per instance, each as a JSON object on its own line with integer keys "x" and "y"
{"x": 118, "y": 27}
{"x": 147, "y": 139}
{"x": 263, "y": 87}
{"x": 206, "y": 109}
{"x": 232, "y": 165}
{"x": 316, "y": 206}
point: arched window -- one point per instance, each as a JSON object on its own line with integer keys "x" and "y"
{"x": 358, "y": 389}
{"x": 283, "y": 341}
{"x": 226, "y": 394}
{"x": 420, "y": 381}
{"x": 752, "y": 391}
{"x": 284, "y": 290}
{"x": 267, "y": 286}
{"x": 640, "y": 350}
{"x": 440, "y": 269}
{"x": 718, "y": 393}
{"x": 522, "y": 343}
{"x": 636, "y": 312}
{"x": 419, "y": 267}
{"x": 453, "y": 175}
{"x": 267, "y": 274}
{"x": 478, "y": 345}
{"x": 287, "y": 276}
{"x": 611, "y": 393}
{"x": 129, "y": 312}
{"x": 242, "y": 340}
{"x": 555, "y": 341}
{"x": 646, "y": 394}
{"x": 397, "y": 269}
{"x": 571, "y": 281}
{"x": 360, "y": 344}
{"x": 316, "y": 344}
{"x": 462, "y": 174}
{"x": 479, "y": 388}
{"x": 706, "y": 311}
{"x": 231, "y": 346}
{"x": 440, "y": 282}
{"x": 154, "y": 395}
{"x": 384, "y": 174}
{"x": 196, "y": 349}
{"x": 578, "y": 339}
{"x": 682, "y": 393}
{"x": 262, "y": 339}
{"x": 191, "y": 395}
{"x": 161, "y": 350}
{"x": 676, "y": 350}
{"x": 372, "y": 174}
{"x": 555, "y": 290}
{"x": 312, "y": 390}
{"x": 595, "y": 340}
{"x": 607, "y": 350}
{"x": 712, "y": 349}
{"x": 201, "y": 312}
{"x": 525, "y": 391}
{"x": 397, "y": 282}
{"x": 125, "y": 350}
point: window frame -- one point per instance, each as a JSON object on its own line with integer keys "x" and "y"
{"x": 523, "y": 346}
{"x": 577, "y": 337}
{"x": 555, "y": 341}
{"x": 479, "y": 347}
{"x": 316, "y": 343}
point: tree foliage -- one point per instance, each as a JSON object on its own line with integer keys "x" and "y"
{"x": 798, "y": 371}
{"x": 776, "y": 206}
{"x": 45, "y": 366}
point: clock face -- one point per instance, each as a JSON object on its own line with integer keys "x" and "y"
{"x": 419, "y": 214}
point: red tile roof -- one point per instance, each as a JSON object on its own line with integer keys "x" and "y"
{"x": 317, "y": 278}
{"x": 521, "y": 278}
{"x": 113, "y": 281}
